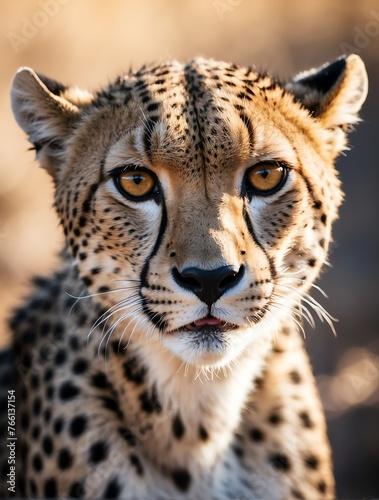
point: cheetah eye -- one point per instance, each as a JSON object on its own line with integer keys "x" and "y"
{"x": 266, "y": 178}
{"x": 137, "y": 184}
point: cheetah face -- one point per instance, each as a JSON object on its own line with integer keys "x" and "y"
{"x": 197, "y": 200}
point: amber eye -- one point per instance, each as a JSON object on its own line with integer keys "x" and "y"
{"x": 266, "y": 178}
{"x": 136, "y": 184}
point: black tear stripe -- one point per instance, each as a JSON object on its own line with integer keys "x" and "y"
{"x": 256, "y": 241}
{"x": 155, "y": 318}
{"x": 308, "y": 186}
{"x": 300, "y": 172}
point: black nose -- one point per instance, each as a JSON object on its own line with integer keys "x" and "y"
{"x": 208, "y": 285}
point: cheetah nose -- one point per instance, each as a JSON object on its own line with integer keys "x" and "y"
{"x": 208, "y": 286}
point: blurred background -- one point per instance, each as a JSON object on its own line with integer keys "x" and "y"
{"x": 88, "y": 42}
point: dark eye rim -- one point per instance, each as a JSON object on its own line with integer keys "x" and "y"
{"x": 250, "y": 191}
{"x": 153, "y": 194}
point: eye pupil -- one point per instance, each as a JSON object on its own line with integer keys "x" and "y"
{"x": 137, "y": 179}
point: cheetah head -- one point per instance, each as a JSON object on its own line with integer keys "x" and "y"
{"x": 197, "y": 200}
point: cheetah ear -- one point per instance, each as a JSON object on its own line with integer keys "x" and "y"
{"x": 47, "y": 111}
{"x": 335, "y": 92}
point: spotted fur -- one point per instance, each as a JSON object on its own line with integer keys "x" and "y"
{"x": 164, "y": 358}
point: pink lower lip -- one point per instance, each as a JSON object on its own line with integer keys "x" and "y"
{"x": 204, "y": 321}
{"x": 208, "y": 321}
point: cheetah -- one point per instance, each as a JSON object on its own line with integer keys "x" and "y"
{"x": 164, "y": 359}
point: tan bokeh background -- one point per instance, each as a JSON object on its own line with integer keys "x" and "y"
{"x": 88, "y": 42}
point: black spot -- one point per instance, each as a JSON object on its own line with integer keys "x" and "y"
{"x": 203, "y": 433}
{"x": 177, "y": 427}
{"x": 25, "y": 421}
{"x": 297, "y": 494}
{"x": 29, "y": 336}
{"x": 37, "y": 462}
{"x": 82, "y": 221}
{"x": 80, "y": 366}
{"x": 112, "y": 404}
{"x": 24, "y": 393}
{"x": 133, "y": 370}
{"x": 49, "y": 372}
{"x": 129, "y": 437}
{"x": 87, "y": 281}
{"x": 68, "y": 391}
{"x": 78, "y": 425}
{"x": 47, "y": 415}
{"x": 256, "y": 435}
{"x": 64, "y": 459}
{"x": 153, "y": 106}
{"x": 98, "y": 452}
{"x": 295, "y": 377}
{"x": 238, "y": 451}
{"x": 312, "y": 262}
{"x": 74, "y": 343}
{"x": 112, "y": 489}
{"x": 60, "y": 357}
{"x": 280, "y": 461}
{"x": 49, "y": 392}
{"x": 36, "y": 431}
{"x": 150, "y": 402}
{"x": 34, "y": 381}
{"x": 311, "y": 461}
{"x": 135, "y": 461}
{"x": 37, "y": 404}
{"x": 323, "y": 218}
{"x": 58, "y": 331}
{"x": 47, "y": 445}
{"x": 58, "y": 425}
{"x": 50, "y": 489}
{"x": 274, "y": 419}
{"x": 182, "y": 479}
{"x": 76, "y": 490}
{"x": 100, "y": 380}
{"x": 321, "y": 487}
{"x": 258, "y": 383}
{"x": 305, "y": 419}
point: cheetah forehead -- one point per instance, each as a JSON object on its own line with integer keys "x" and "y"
{"x": 203, "y": 113}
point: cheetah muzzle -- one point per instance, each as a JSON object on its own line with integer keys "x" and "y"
{"x": 164, "y": 359}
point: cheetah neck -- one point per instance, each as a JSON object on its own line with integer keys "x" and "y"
{"x": 188, "y": 415}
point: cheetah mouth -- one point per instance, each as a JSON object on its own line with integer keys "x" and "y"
{"x": 209, "y": 324}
